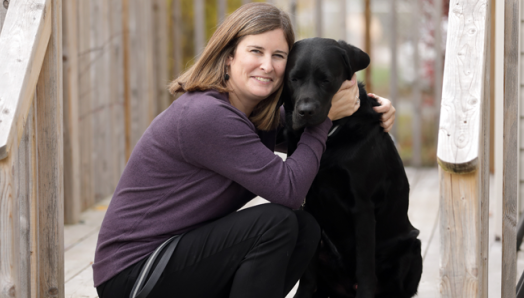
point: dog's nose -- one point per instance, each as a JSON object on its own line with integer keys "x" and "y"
{"x": 306, "y": 109}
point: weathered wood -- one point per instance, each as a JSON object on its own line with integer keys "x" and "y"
{"x": 222, "y": 8}
{"x": 510, "y": 170}
{"x": 3, "y": 12}
{"x": 416, "y": 123}
{"x": 50, "y": 188}
{"x": 319, "y": 22}
{"x": 72, "y": 199}
{"x": 393, "y": 70}
{"x": 367, "y": 43}
{"x": 293, "y": 14}
{"x": 127, "y": 88}
{"x": 464, "y": 201}
{"x": 84, "y": 103}
{"x": 200, "y": 26}
{"x": 116, "y": 96}
{"x": 343, "y": 20}
{"x": 22, "y": 46}
{"x": 439, "y": 56}
{"x": 176, "y": 15}
{"x": 160, "y": 48}
{"x": 461, "y": 95}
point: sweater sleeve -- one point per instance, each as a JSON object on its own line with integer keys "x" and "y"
{"x": 221, "y": 139}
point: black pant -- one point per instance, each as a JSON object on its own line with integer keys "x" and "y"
{"x": 257, "y": 252}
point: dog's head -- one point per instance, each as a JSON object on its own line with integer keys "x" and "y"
{"x": 315, "y": 70}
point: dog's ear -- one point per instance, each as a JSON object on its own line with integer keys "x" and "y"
{"x": 355, "y": 58}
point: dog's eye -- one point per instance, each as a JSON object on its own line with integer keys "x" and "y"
{"x": 325, "y": 82}
{"x": 294, "y": 80}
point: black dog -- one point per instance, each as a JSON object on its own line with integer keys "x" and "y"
{"x": 360, "y": 196}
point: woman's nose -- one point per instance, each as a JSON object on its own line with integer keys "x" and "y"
{"x": 267, "y": 64}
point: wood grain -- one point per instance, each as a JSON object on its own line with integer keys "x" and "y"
{"x": 458, "y": 139}
{"x": 72, "y": 199}
{"x": 510, "y": 151}
{"x": 50, "y": 188}
{"x": 22, "y": 45}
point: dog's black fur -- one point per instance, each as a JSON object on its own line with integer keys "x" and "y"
{"x": 360, "y": 196}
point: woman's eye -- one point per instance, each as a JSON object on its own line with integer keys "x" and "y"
{"x": 256, "y": 51}
{"x": 280, "y": 56}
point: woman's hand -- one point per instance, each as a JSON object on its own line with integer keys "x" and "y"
{"x": 345, "y": 102}
{"x": 387, "y": 110}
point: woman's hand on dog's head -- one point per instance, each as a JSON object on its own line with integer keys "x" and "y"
{"x": 387, "y": 110}
{"x": 345, "y": 102}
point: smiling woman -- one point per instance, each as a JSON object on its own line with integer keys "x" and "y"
{"x": 172, "y": 227}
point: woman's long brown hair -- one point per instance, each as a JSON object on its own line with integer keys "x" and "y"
{"x": 210, "y": 68}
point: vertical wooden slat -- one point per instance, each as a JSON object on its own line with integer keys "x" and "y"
{"x": 126, "y": 76}
{"x": 510, "y": 169}
{"x": 367, "y": 43}
{"x": 222, "y": 8}
{"x": 116, "y": 96}
{"x": 9, "y": 227}
{"x": 176, "y": 15}
{"x": 160, "y": 54}
{"x": 437, "y": 20}
{"x": 417, "y": 92}
{"x": 293, "y": 14}
{"x": 393, "y": 82}
{"x": 72, "y": 200}
{"x": 50, "y": 189}
{"x": 200, "y": 26}
{"x": 3, "y": 12}
{"x": 343, "y": 19}
{"x": 84, "y": 103}
{"x": 149, "y": 33}
{"x": 319, "y": 22}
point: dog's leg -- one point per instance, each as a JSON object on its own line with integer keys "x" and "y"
{"x": 308, "y": 282}
{"x": 364, "y": 220}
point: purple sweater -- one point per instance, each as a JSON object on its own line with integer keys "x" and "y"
{"x": 199, "y": 160}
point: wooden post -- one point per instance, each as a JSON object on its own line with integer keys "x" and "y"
{"x": 200, "y": 26}
{"x": 159, "y": 32}
{"x": 3, "y": 12}
{"x": 437, "y": 87}
{"x": 50, "y": 187}
{"x": 343, "y": 18}
{"x": 126, "y": 78}
{"x": 416, "y": 159}
{"x": 463, "y": 151}
{"x": 176, "y": 14}
{"x": 510, "y": 170}
{"x": 393, "y": 81}
{"x": 72, "y": 200}
{"x": 293, "y": 14}
{"x": 319, "y": 20}
{"x": 367, "y": 43}
{"x": 222, "y": 8}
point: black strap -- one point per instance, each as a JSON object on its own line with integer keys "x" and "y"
{"x": 136, "y": 292}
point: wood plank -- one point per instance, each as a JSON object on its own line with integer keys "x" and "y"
{"x": 200, "y": 26}
{"x": 510, "y": 169}
{"x": 393, "y": 82}
{"x": 80, "y": 256}
{"x": 3, "y": 12}
{"x": 176, "y": 15}
{"x": 84, "y": 107}
{"x": 50, "y": 188}
{"x": 160, "y": 48}
{"x": 416, "y": 122}
{"x": 319, "y": 22}
{"x": 126, "y": 76}
{"x": 81, "y": 285}
{"x": 458, "y": 138}
{"x": 24, "y": 172}
{"x": 116, "y": 73}
{"x": 72, "y": 199}
{"x": 22, "y": 47}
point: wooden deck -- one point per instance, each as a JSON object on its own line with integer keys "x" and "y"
{"x": 80, "y": 241}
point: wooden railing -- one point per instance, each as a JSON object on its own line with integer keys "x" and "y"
{"x": 31, "y": 159}
{"x": 463, "y": 151}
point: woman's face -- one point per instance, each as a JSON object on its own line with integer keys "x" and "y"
{"x": 258, "y": 66}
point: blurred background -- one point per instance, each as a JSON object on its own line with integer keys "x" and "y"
{"x": 405, "y": 39}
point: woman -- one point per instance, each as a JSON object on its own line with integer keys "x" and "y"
{"x": 206, "y": 156}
